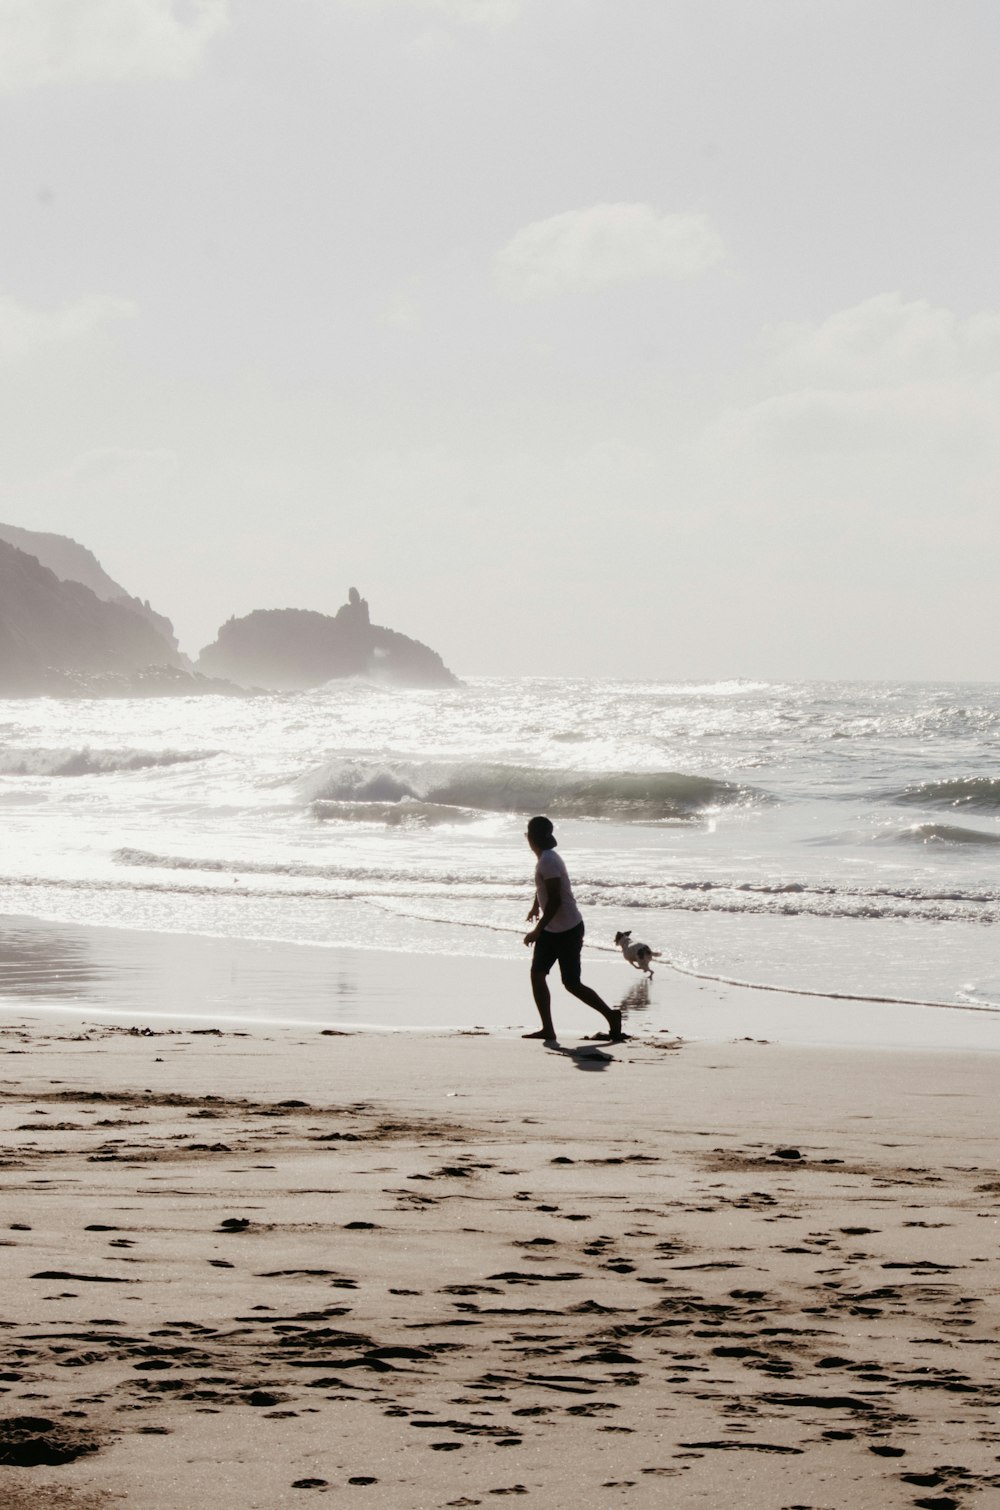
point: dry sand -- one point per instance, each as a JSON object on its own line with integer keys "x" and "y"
{"x": 286, "y": 1267}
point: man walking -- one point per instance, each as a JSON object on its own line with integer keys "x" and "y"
{"x": 557, "y": 934}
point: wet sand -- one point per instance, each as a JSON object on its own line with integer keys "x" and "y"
{"x": 131, "y": 976}
{"x": 264, "y": 1268}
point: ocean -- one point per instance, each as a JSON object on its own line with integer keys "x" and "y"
{"x": 840, "y": 839}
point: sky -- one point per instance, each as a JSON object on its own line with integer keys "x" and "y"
{"x": 655, "y": 339}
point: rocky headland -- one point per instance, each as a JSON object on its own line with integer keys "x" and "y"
{"x": 67, "y": 629}
{"x": 72, "y": 562}
{"x": 58, "y": 638}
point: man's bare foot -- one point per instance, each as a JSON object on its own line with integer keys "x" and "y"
{"x": 615, "y": 1027}
{"x": 546, "y": 1037}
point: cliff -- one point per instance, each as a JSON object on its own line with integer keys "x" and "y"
{"x": 68, "y": 629}
{"x": 291, "y": 649}
{"x": 72, "y": 562}
{"x": 60, "y": 639}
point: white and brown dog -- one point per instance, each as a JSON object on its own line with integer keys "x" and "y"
{"x": 638, "y": 955}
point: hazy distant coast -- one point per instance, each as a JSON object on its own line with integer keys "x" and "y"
{"x": 67, "y": 629}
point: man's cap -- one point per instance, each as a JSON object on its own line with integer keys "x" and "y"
{"x": 540, "y": 829}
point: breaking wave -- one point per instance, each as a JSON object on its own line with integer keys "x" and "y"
{"x": 88, "y": 762}
{"x": 640, "y": 797}
{"x": 942, "y": 833}
{"x": 413, "y": 879}
{"x": 405, "y": 814}
{"x": 980, "y": 793}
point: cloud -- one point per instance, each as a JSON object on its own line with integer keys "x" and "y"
{"x": 51, "y": 41}
{"x": 119, "y": 466}
{"x": 897, "y": 384}
{"x": 473, "y": 12}
{"x": 887, "y": 340}
{"x": 488, "y": 13}
{"x": 910, "y": 419}
{"x": 24, "y": 330}
{"x": 583, "y": 250}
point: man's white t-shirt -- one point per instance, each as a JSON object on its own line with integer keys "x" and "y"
{"x": 549, "y": 868}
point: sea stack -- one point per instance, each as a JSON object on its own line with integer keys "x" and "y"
{"x": 294, "y": 649}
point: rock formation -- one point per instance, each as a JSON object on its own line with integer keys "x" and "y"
{"x": 290, "y": 649}
{"x": 68, "y": 629}
{"x": 61, "y": 639}
{"x": 73, "y": 562}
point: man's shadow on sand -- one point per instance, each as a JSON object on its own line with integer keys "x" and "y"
{"x": 592, "y": 1053}
{"x": 589, "y": 1057}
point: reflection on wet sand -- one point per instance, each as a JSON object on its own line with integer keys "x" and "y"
{"x": 636, "y": 998}
{"x": 115, "y": 972}
{"x": 169, "y": 974}
{"x": 38, "y": 961}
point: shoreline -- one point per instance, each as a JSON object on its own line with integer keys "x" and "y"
{"x": 98, "y": 973}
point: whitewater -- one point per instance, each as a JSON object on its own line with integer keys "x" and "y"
{"x": 841, "y": 839}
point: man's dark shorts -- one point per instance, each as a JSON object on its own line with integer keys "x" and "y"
{"x": 564, "y": 947}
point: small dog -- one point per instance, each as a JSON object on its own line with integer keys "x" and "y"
{"x": 638, "y": 955}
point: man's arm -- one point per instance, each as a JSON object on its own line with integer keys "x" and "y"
{"x": 553, "y": 902}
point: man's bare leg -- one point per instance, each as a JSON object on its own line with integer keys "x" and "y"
{"x": 543, "y": 1001}
{"x": 611, "y": 1015}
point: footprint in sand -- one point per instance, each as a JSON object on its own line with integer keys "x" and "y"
{"x": 35, "y": 1441}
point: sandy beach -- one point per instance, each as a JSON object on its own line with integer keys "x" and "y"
{"x": 255, "y": 1267}
{"x": 496, "y": 487}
